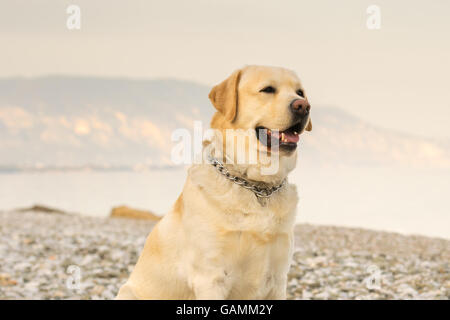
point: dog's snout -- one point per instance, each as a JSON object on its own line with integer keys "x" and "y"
{"x": 300, "y": 107}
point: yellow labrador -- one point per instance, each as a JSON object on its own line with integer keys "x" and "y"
{"x": 230, "y": 233}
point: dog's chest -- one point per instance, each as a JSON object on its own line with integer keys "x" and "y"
{"x": 255, "y": 263}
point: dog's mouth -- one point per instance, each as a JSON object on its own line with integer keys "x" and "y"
{"x": 287, "y": 139}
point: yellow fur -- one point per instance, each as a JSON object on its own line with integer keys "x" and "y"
{"x": 219, "y": 241}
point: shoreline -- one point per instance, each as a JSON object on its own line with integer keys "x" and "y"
{"x": 52, "y": 210}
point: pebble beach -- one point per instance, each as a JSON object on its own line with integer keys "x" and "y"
{"x": 69, "y": 256}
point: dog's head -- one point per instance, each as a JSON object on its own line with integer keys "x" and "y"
{"x": 270, "y": 101}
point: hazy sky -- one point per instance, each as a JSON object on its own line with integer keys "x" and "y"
{"x": 396, "y": 77}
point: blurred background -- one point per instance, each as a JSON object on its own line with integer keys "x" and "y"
{"x": 86, "y": 116}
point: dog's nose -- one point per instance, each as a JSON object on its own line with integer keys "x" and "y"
{"x": 300, "y": 107}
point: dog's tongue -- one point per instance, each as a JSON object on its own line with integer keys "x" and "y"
{"x": 289, "y": 137}
{"x": 283, "y": 136}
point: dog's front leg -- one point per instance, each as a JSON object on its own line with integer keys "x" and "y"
{"x": 278, "y": 291}
{"x": 210, "y": 285}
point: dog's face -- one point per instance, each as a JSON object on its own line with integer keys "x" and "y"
{"x": 268, "y": 100}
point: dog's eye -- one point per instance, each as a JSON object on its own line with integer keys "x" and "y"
{"x": 268, "y": 89}
{"x": 300, "y": 93}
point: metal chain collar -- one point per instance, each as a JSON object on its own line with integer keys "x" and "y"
{"x": 259, "y": 191}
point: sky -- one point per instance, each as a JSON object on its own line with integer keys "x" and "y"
{"x": 396, "y": 77}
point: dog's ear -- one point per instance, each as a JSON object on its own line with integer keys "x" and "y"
{"x": 309, "y": 125}
{"x": 224, "y": 96}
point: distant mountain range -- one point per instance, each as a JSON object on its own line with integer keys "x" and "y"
{"x": 72, "y": 122}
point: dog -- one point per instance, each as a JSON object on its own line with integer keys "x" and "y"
{"x": 230, "y": 233}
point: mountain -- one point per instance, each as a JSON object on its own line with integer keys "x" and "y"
{"x": 61, "y": 121}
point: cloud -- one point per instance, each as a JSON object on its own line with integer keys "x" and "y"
{"x": 82, "y": 127}
{"x": 16, "y": 118}
{"x": 143, "y": 130}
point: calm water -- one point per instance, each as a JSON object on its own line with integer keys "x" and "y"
{"x": 406, "y": 201}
